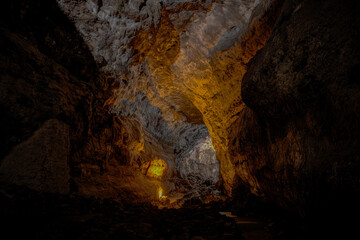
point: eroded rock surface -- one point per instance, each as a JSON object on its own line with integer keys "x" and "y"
{"x": 200, "y": 161}
{"x": 41, "y": 162}
{"x": 297, "y": 142}
{"x": 55, "y": 124}
{"x": 185, "y": 58}
{"x": 127, "y": 82}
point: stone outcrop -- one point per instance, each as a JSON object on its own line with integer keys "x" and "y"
{"x": 42, "y": 160}
{"x": 297, "y": 141}
{"x": 54, "y": 120}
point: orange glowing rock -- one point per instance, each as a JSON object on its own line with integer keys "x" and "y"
{"x": 157, "y": 168}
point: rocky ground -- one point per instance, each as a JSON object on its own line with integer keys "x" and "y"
{"x": 51, "y": 216}
{"x": 27, "y": 214}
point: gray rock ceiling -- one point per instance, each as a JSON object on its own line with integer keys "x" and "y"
{"x": 163, "y": 55}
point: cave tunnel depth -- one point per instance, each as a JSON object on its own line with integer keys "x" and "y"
{"x": 180, "y": 119}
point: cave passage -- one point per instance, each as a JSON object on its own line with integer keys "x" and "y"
{"x": 179, "y": 119}
{"x": 177, "y": 158}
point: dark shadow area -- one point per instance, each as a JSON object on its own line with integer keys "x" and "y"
{"x": 27, "y": 214}
{"x": 35, "y": 37}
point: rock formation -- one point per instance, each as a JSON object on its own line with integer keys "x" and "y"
{"x": 257, "y": 97}
{"x": 54, "y": 117}
{"x": 297, "y": 142}
{"x": 180, "y": 64}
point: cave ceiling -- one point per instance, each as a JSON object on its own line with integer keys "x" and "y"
{"x": 180, "y": 65}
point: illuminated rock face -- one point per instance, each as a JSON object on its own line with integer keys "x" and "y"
{"x": 178, "y": 64}
{"x": 180, "y": 67}
{"x": 177, "y": 81}
{"x": 200, "y": 162}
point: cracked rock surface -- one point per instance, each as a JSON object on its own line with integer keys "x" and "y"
{"x": 178, "y": 64}
{"x": 256, "y": 98}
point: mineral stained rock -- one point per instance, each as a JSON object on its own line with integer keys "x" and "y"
{"x": 178, "y": 64}
{"x": 251, "y": 94}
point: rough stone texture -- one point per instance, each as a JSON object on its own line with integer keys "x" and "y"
{"x": 54, "y": 115}
{"x": 141, "y": 30}
{"x": 49, "y": 76}
{"x": 185, "y": 58}
{"x": 201, "y": 162}
{"x": 109, "y": 26}
{"x": 151, "y": 136}
{"x": 212, "y": 81}
{"x": 185, "y": 78}
{"x": 41, "y": 162}
{"x": 177, "y": 67}
{"x": 54, "y": 216}
{"x": 297, "y": 142}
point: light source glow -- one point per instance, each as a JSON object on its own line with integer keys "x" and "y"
{"x": 161, "y": 194}
{"x": 157, "y": 168}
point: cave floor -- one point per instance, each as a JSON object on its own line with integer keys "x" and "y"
{"x": 28, "y": 214}
{"x": 31, "y": 215}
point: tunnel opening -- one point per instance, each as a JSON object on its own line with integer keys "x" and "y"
{"x": 177, "y": 156}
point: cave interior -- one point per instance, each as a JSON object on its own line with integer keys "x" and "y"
{"x": 180, "y": 119}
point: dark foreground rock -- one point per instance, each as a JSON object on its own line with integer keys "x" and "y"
{"x": 28, "y": 214}
{"x": 297, "y": 141}
{"x": 55, "y": 124}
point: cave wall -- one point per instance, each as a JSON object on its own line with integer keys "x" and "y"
{"x": 86, "y": 103}
{"x": 185, "y": 57}
{"x": 58, "y": 133}
{"x": 131, "y": 40}
{"x": 297, "y": 140}
{"x": 54, "y": 120}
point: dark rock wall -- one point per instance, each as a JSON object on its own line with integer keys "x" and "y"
{"x": 52, "y": 100}
{"x": 297, "y": 141}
